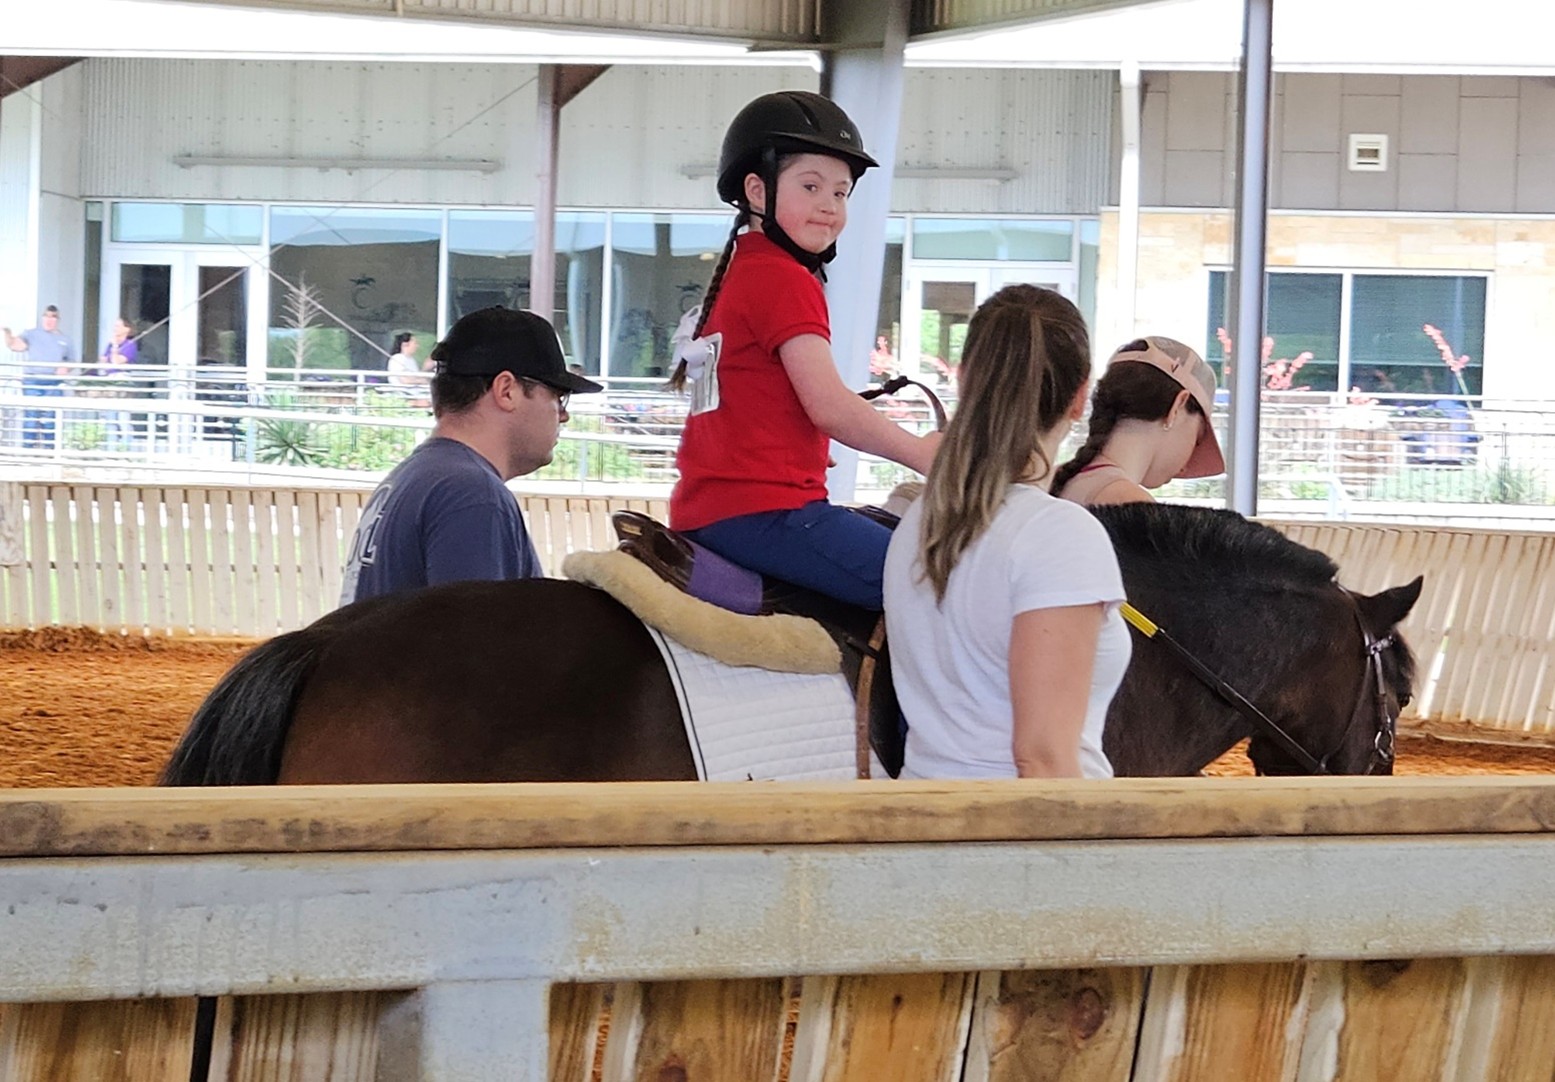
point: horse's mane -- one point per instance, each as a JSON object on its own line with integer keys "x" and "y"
{"x": 1214, "y": 548}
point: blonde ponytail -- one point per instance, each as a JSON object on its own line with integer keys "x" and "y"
{"x": 1027, "y": 353}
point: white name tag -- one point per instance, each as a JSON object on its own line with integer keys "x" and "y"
{"x": 704, "y": 377}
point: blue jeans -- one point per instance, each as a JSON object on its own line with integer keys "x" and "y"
{"x": 38, "y": 425}
{"x": 819, "y": 546}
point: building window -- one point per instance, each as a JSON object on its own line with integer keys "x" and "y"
{"x": 346, "y": 280}
{"x": 661, "y": 264}
{"x": 1302, "y": 316}
{"x": 1025, "y": 240}
{"x": 186, "y": 223}
{"x": 489, "y": 256}
{"x": 1388, "y": 349}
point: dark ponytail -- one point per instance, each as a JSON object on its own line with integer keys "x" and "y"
{"x": 677, "y": 381}
{"x": 1130, "y": 390}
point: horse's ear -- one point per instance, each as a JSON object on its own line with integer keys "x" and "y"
{"x": 1388, "y": 609}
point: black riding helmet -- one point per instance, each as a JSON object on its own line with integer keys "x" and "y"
{"x": 786, "y": 122}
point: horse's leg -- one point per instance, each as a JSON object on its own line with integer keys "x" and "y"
{"x": 534, "y": 681}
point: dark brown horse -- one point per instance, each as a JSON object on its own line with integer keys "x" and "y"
{"x": 548, "y": 680}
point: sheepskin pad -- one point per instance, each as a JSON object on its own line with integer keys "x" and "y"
{"x": 780, "y": 643}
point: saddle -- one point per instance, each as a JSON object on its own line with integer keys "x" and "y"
{"x": 859, "y": 632}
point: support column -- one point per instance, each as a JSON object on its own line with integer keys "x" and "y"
{"x": 467, "y": 1031}
{"x": 1128, "y": 204}
{"x": 863, "y": 73}
{"x": 21, "y": 181}
{"x": 1254, "y": 94}
{"x": 542, "y": 265}
{"x": 558, "y": 84}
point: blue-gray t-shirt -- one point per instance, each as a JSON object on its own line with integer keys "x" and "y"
{"x": 46, "y": 351}
{"x": 442, "y": 515}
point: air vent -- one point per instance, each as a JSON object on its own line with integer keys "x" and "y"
{"x": 1368, "y": 153}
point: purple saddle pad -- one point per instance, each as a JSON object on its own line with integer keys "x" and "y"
{"x": 720, "y": 582}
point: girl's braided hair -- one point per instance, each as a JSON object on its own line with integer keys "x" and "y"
{"x": 677, "y": 381}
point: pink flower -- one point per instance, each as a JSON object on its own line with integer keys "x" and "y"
{"x": 1454, "y": 362}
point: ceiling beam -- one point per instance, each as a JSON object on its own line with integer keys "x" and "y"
{"x": 20, "y": 72}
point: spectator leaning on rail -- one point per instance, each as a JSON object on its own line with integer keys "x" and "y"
{"x": 499, "y": 394}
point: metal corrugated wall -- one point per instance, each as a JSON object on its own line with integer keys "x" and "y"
{"x": 1052, "y": 127}
{"x": 772, "y": 21}
{"x": 142, "y": 114}
{"x": 630, "y": 140}
{"x": 931, "y": 16}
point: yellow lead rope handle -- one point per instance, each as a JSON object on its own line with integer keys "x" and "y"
{"x": 1141, "y": 622}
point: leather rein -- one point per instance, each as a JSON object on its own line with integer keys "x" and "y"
{"x": 1386, "y": 721}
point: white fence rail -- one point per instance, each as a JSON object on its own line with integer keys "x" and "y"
{"x": 219, "y": 561}
{"x": 212, "y": 561}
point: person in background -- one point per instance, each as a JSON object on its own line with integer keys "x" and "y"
{"x": 50, "y": 352}
{"x": 1002, "y": 603}
{"x": 445, "y": 514}
{"x": 1150, "y": 423}
{"x": 405, "y": 373}
{"x": 119, "y": 352}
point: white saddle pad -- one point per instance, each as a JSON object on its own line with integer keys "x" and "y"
{"x": 750, "y": 724}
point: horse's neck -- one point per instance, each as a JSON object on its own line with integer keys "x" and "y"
{"x": 1179, "y": 732}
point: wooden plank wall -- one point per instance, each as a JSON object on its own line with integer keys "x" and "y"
{"x": 1383, "y": 1021}
{"x": 212, "y": 561}
{"x": 176, "y": 561}
{"x": 255, "y": 562}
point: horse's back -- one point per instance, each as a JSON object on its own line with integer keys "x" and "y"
{"x": 530, "y": 680}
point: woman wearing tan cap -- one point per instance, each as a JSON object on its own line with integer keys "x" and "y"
{"x": 1150, "y": 423}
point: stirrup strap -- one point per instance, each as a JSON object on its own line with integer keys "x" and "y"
{"x": 866, "y": 684}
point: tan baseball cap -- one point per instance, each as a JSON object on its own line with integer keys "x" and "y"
{"x": 1184, "y": 365}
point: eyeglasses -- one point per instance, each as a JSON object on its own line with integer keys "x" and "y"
{"x": 562, "y": 397}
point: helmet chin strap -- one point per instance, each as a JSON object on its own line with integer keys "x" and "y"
{"x": 814, "y": 262}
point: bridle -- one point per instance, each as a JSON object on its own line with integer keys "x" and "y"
{"x": 1386, "y": 721}
{"x": 1385, "y": 739}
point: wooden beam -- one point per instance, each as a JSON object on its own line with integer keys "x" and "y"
{"x": 574, "y": 79}
{"x": 132, "y": 927}
{"x": 20, "y": 72}
{"x": 87, "y": 822}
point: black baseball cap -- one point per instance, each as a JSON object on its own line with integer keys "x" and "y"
{"x": 498, "y": 339}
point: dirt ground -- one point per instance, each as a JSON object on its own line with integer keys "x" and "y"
{"x": 79, "y": 708}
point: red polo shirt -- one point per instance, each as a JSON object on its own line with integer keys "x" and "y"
{"x": 758, "y": 450}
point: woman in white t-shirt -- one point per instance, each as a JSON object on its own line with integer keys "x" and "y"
{"x": 1002, "y": 602}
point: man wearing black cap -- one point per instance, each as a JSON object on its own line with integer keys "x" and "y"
{"x": 499, "y": 394}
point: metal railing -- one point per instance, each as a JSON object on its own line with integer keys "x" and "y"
{"x": 1320, "y": 453}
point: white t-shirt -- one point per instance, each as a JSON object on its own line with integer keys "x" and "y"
{"x": 951, "y": 661}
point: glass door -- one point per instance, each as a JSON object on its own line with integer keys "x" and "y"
{"x": 937, "y": 305}
{"x": 221, "y": 328}
{"x": 1060, "y": 278}
{"x": 190, "y": 317}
